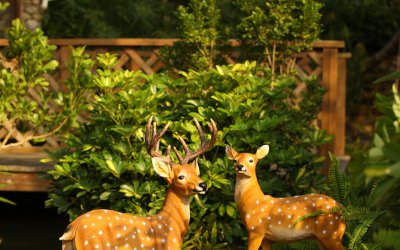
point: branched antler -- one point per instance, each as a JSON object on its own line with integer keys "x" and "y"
{"x": 153, "y": 140}
{"x": 189, "y": 156}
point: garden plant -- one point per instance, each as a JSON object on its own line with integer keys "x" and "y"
{"x": 104, "y": 163}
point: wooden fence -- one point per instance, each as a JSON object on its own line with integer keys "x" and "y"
{"x": 21, "y": 167}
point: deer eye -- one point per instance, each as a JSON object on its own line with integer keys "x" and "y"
{"x": 181, "y": 177}
{"x": 251, "y": 160}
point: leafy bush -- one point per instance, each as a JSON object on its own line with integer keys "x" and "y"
{"x": 26, "y": 101}
{"x": 106, "y": 164}
{"x": 268, "y": 31}
{"x": 377, "y": 169}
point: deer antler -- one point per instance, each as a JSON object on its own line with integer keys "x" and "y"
{"x": 189, "y": 156}
{"x": 153, "y": 140}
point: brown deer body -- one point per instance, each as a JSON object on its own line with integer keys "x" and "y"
{"x": 268, "y": 219}
{"x": 108, "y": 229}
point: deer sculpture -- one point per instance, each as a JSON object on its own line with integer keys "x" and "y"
{"x": 107, "y": 229}
{"x": 268, "y": 219}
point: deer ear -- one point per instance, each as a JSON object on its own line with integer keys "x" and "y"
{"x": 230, "y": 153}
{"x": 195, "y": 164}
{"x": 162, "y": 168}
{"x": 262, "y": 151}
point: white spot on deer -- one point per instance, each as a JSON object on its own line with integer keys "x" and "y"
{"x": 331, "y": 222}
{"x": 269, "y": 217}
{"x": 260, "y": 221}
{"x": 159, "y": 226}
{"x": 324, "y": 231}
{"x": 174, "y": 240}
{"x": 84, "y": 226}
{"x": 110, "y": 224}
{"x": 118, "y": 235}
{"x": 262, "y": 209}
{"x": 127, "y": 245}
{"x": 96, "y": 246}
{"x": 257, "y": 202}
{"x": 86, "y": 242}
{"x": 171, "y": 229}
{"x": 133, "y": 236}
{"x": 100, "y": 232}
{"x": 87, "y": 215}
{"x": 272, "y": 202}
{"x": 108, "y": 244}
{"x": 124, "y": 228}
{"x": 131, "y": 221}
{"x": 142, "y": 245}
{"x": 144, "y": 223}
{"x": 93, "y": 224}
{"x": 279, "y": 210}
{"x": 316, "y": 222}
{"x": 270, "y": 226}
{"x": 313, "y": 204}
{"x": 99, "y": 217}
{"x": 279, "y": 222}
{"x": 117, "y": 218}
{"x": 307, "y": 227}
{"x": 289, "y": 216}
{"x": 287, "y": 201}
{"x": 294, "y": 208}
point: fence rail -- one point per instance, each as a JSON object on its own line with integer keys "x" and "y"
{"x": 326, "y": 61}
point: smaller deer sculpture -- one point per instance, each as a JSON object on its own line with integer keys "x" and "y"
{"x": 107, "y": 229}
{"x": 268, "y": 219}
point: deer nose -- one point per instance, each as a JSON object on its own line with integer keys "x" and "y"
{"x": 239, "y": 167}
{"x": 203, "y": 185}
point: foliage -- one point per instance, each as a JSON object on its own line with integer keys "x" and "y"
{"x": 106, "y": 164}
{"x": 378, "y": 168}
{"x": 279, "y": 28}
{"x": 345, "y": 20}
{"x": 269, "y": 31}
{"x": 198, "y": 26}
{"x": 362, "y": 221}
{"x": 104, "y": 18}
{"x": 27, "y": 58}
{"x": 26, "y": 100}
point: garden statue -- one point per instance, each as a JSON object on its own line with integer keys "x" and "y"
{"x": 268, "y": 219}
{"x": 107, "y": 229}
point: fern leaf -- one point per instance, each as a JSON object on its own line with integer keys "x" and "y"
{"x": 310, "y": 215}
{"x": 337, "y": 184}
{"x": 362, "y": 229}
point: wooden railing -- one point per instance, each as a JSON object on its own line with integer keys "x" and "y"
{"x": 326, "y": 61}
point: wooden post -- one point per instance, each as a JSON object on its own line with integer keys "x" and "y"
{"x": 65, "y": 51}
{"x": 329, "y": 113}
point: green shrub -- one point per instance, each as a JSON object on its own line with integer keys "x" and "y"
{"x": 268, "y": 31}
{"x": 27, "y": 102}
{"x": 106, "y": 164}
{"x": 377, "y": 171}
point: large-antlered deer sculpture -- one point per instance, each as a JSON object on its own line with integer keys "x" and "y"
{"x": 108, "y": 229}
{"x": 268, "y": 219}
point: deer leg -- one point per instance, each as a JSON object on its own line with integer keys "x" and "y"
{"x": 68, "y": 245}
{"x": 266, "y": 244}
{"x": 254, "y": 241}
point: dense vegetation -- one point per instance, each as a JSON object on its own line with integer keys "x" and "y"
{"x": 104, "y": 163}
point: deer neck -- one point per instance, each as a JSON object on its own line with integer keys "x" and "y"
{"x": 177, "y": 209}
{"x": 247, "y": 191}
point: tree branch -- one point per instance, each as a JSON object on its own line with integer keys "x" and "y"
{"x": 390, "y": 49}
